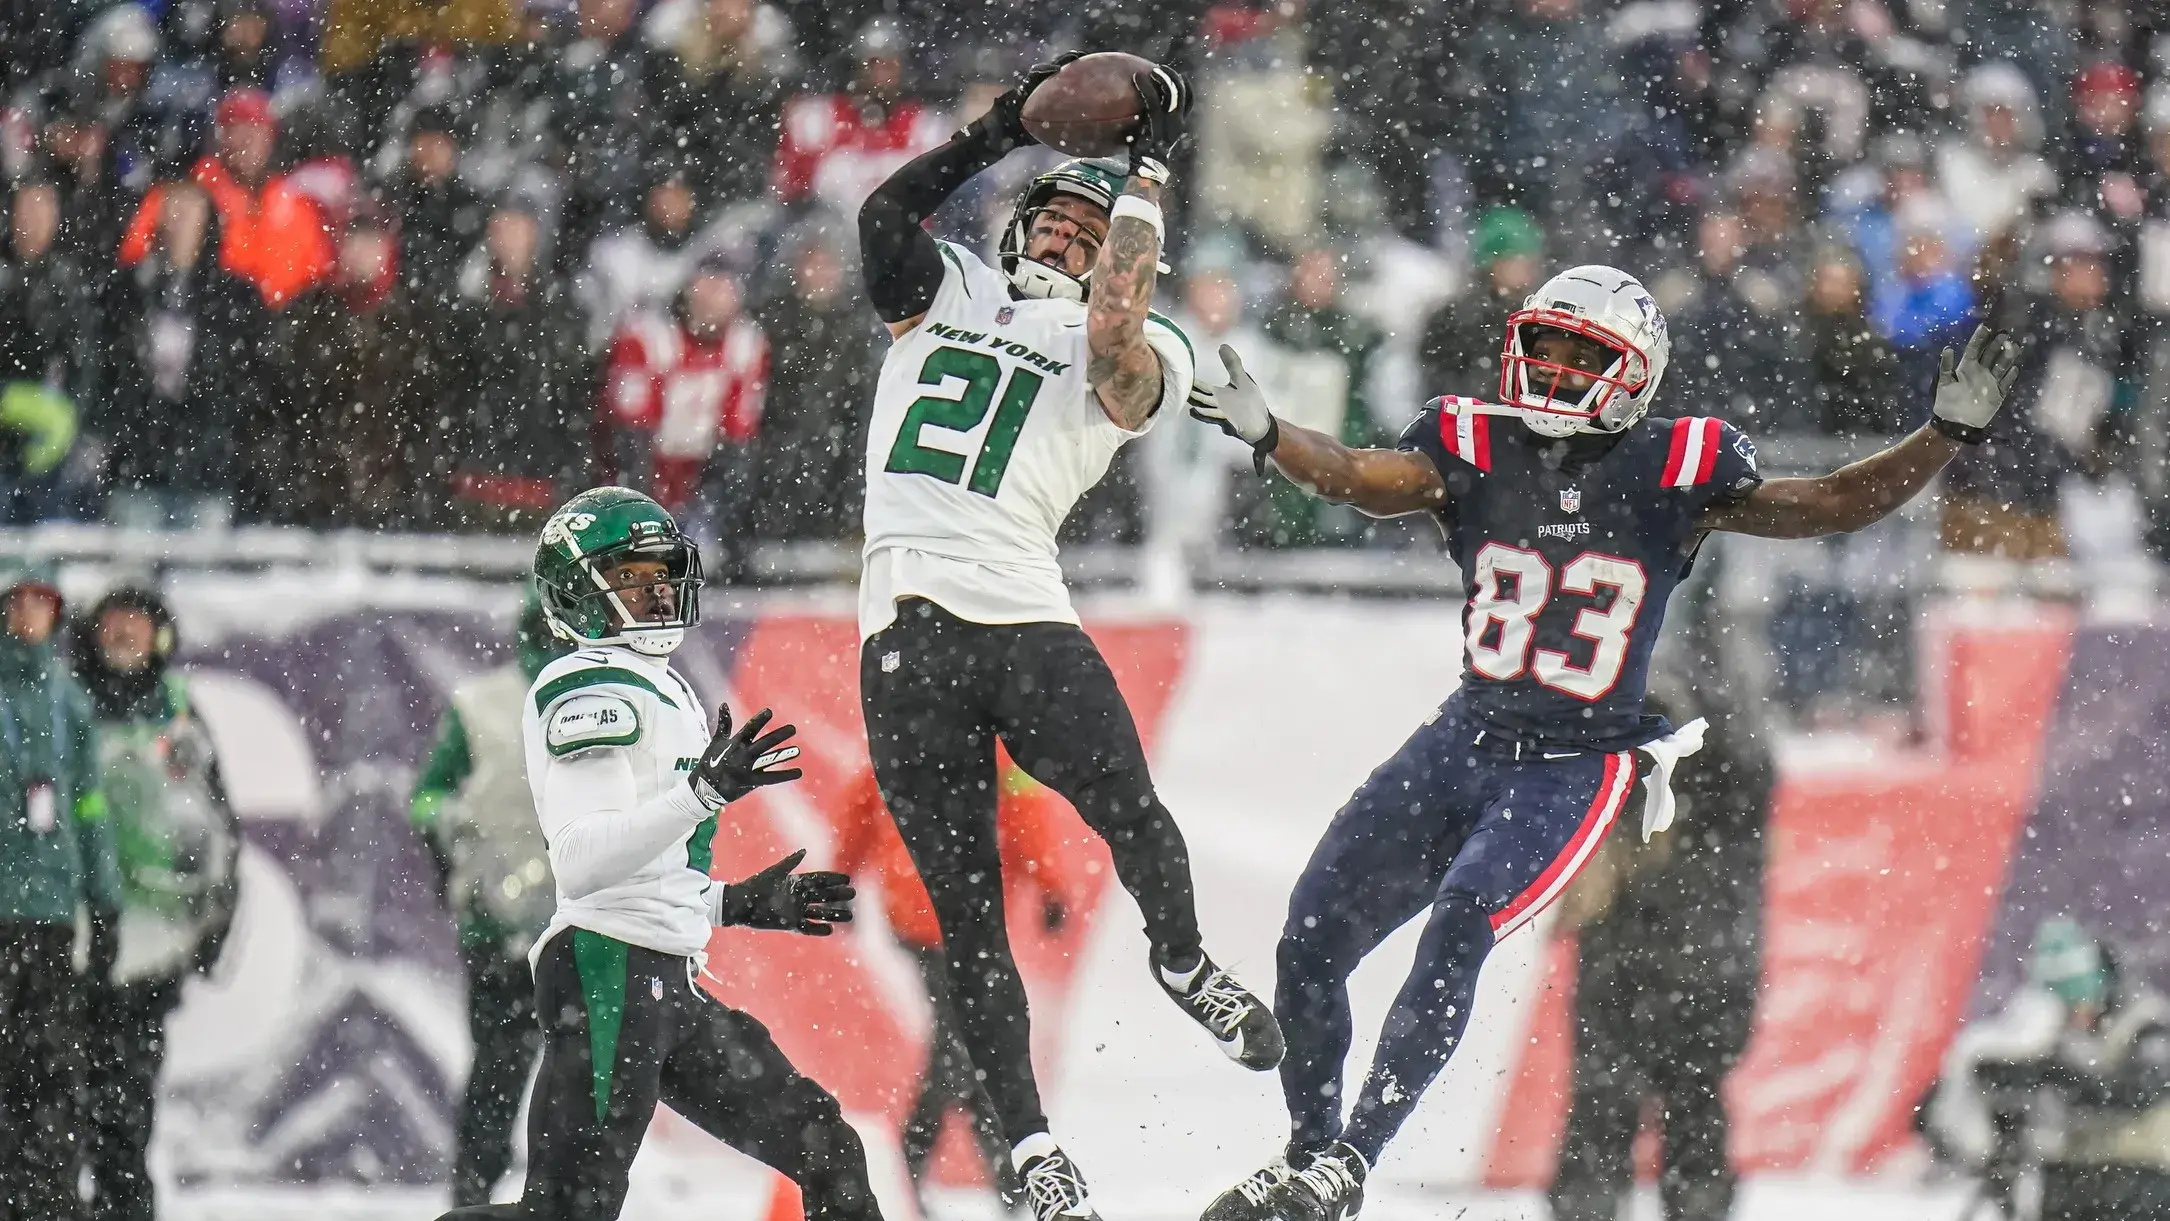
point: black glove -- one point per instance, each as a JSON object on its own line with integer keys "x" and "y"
{"x": 1163, "y": 108}
{"x": 777, "y": 898}
{"x": 1004, "y": 122}
{"x": 736, "y": 764}
{"x": 105, "y": 946}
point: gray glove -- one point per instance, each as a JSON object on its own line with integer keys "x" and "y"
{"x": 1971, "y": 390}
{"x": 1238, "y": 409}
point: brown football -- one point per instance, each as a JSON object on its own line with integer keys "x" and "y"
{"x": 1086, "y": 109}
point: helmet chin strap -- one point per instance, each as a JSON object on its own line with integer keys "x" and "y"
{"x": 1032, "y": 278}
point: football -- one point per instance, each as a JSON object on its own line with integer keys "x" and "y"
{"x": 1087, "y": 108}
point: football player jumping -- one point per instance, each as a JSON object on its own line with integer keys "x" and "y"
{"x": 1572, "y": 519}
{"x": 1004, "y": 398}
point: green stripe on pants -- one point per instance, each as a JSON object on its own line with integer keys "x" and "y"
{"x": 601, "y": 961}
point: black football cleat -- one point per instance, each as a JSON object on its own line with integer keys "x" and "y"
{"x": 1240, "y": 1022}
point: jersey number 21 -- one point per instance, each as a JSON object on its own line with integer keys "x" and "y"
{"x": 982, "y": 375}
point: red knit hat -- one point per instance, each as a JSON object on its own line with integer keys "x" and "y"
{"x": 252, "y": 106}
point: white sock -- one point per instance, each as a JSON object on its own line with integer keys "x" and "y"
{"x": 1038, "y": 1144}
{"x": 1182, "y": 980}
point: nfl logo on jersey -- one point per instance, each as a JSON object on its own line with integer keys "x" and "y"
{"x": 1003, "y": 315}
{"x": 1570, "y": 500}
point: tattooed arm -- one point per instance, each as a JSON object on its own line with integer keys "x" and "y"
{"x": 1123, "y": 369}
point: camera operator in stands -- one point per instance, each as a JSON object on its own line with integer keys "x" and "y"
{"x": 1669, "y": 937}
{"x": 2073, "y": 1073}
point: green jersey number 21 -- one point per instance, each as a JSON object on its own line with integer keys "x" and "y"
{"x": 982, "y": 375}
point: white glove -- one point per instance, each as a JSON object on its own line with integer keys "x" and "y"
{"x": 1238, "y": 409}
{"x": 1969, "y": 393}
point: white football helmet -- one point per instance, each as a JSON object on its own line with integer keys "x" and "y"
{"x": 1598, "y": 303}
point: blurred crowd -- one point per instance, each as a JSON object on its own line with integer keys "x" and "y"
{"x": 425, "y": 264}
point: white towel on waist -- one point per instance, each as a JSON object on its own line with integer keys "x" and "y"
{"x": 1658, "y": 785}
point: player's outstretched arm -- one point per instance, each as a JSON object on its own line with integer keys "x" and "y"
{"x": 900, "y": 262}
{"x": 1969, "y": 392}
{"x": 1121, "y": 365}
{"x": 1379, "y": 482}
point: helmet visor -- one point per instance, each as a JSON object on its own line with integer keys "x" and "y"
{"x": 1563, "y": 364}
{"x": 644, "y": 584}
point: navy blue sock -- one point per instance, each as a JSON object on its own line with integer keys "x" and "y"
{"x": 1311, "y": 1001}
{"x": 1426, "y": 1023}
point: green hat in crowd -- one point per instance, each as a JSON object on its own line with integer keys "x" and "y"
{"x": 2069, "y": 963}
{"x": 1505, "y": 233}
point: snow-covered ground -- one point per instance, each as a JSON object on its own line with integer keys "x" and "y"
{"x": 1157, "y": 1119}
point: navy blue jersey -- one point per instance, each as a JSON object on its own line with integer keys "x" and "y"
{"x": 1569, "y": 550}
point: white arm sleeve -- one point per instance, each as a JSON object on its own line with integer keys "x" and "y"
{"x": 597, "y": 836}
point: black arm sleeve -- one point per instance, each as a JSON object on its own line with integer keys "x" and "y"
{"x": 902, "y": 267}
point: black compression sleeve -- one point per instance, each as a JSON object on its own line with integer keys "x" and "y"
{"x": 903, "y": 269}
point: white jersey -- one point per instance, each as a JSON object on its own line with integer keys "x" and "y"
{"x": 985, "y": 433}
{"x": 611, "y": 737}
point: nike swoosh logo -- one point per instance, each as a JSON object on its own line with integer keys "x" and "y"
{"x": 1573, "y": 754}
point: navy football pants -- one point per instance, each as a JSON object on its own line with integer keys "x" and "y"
{"x": 1484, "y": 834}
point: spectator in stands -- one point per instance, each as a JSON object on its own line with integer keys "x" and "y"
{"x": 369, "y": 49}
{"x": 522, "y": 380}
{"x": 726, "y": 65}
{"x": 824, "y": 360}
{"x": 179, "y": 849}
{"x": 837, "y": 147}
{"x": 440, "y": 217}
{"x": 476, "y": 819}
{"x": 1854, "y": 377}
{"x": 211, "y": 48}
{"x": 1549, "y": 99}
{"x": 2102, "y": 150}
{"x": 369, "y": 359}
{"x": 271, "y": 234}
{"x": 94, "y": 203}
{"x": 1902, "y": 159}
{"x": 1991, "y": 172}
{"x": 112, "y": 69}
{"x": 642, "y": 266}
{"x": 1186, "y": 477}
{"x": 1735, "y": 333}
{"x": 1322, "y": 358}
{"x": 1651, "y": 178}
{"x": 1762, "y": 189}
{"x": 1664, "y": 1019}
{"x": 56, "y": 858}
{"x": 1463, "y": 339}
{"x": 1260, "y": 134}
{"x": 598, "y": 96}
{"x": 2002, "y": 496}
{"x": 1928, "y": 304}
{"x": 48, "y": 353}
{"x": 683, "y": 390}
{"x": 189, "y": 370}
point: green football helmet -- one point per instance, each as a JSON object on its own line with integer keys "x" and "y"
{"x": 600, "y": 525}
{"x": 1098, "y": 179}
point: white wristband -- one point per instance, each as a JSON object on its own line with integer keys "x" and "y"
{"x": 1142, "y": 208}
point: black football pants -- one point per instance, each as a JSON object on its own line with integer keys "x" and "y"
{"x": 937, "y": 692}
{"x": 127, "y": 1050}
{"x": 42, "y": 1061}
{"x": 1650, "y": 1041}
{"x": 501, "y": 1019}
{"x": 625, "y": 1028}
